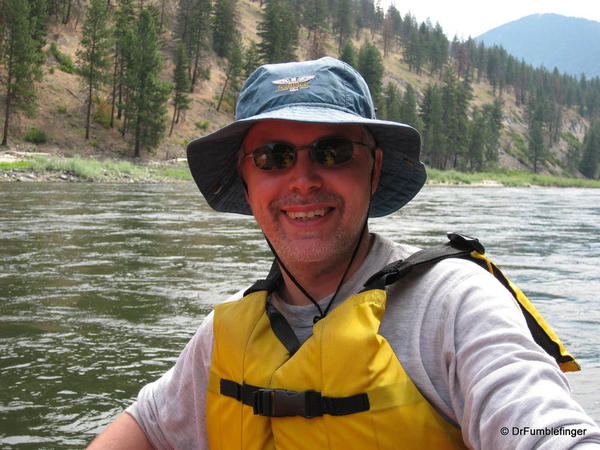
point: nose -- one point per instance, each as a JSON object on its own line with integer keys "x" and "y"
{"x": 305, "y": 176}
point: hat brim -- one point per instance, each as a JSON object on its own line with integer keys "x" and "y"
{"x": 213, "y": 159}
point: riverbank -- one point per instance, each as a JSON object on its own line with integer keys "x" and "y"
{"x": 44, "y": 167}
{"x": 27, "y": 167}
{"x": 503, "y": 177}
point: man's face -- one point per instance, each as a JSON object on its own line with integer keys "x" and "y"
{"x": 310, "y": 213}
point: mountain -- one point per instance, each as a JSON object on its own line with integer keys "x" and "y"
{"x": 569, "y": 43}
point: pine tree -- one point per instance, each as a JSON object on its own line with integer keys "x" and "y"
{"x": 251, "y": 59}
{"x": 378, "y": 19}
{"x": 476, "y": 139}
{"x": 124, "y": 17}
{"x": 39, "y": 25}
{"x": 348, "y": 54}
{"x": 343, "y": 21}
{"x": 536, "y": 144}
{"x": 493, "y": 125}
{"x": 455, "y": 100}
{"x": 224, "y": 24}
{"x": 314, "y": 14}
{"x": 233, "y": 72}
{"x": 409, "y": 24}
{"x": 195, "y": 32}
{"x": 391, "y": 103}
{"x": 199, "y": 44}
{"x": 438, "y": 49}
{"x": 278, "y": 32}
{"x": 367, "y": 13}
{"x": 181, "y": 86}
{"x": 22, "y": 59}
{"x": 458, "y": 50}
{"x": 432, "y": 114}
{"x": 476, "y": 57}
{"x": 414, "y": 52}
{"x": 60, "y": 10}
{"x": 370, "y": 66}
{"x": 145, "y": 105}
{"x": 94, "y": 52}
{"x": 408, "y": 111}
{"x": 392, "y": 26}
{"x": 591, "y": 151}
{"x": 536, "y": 110}
{"x": 182, "y": 25}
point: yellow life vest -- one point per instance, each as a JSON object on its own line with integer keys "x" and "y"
{"x": 343, "y": 388}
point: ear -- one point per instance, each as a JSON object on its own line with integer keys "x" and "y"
{"x": 378, "y": 163}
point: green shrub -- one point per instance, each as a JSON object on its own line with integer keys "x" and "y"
{"x": 61, "y": 109}
{"x": 35, "y": 136}
{"x": 103, "y": 112}
{"x": 203, "y": 124}
{"x": 84, "y": 168}
{"x": 571, "y": 140}
{"x": 65, "y": 63}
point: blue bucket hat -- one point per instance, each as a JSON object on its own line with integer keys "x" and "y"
{"x": 323, "y": 91}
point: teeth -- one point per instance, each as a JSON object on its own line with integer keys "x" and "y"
{"x": 306, "y": 215}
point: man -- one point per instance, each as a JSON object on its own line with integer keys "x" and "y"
{"x": 310, "y": 357}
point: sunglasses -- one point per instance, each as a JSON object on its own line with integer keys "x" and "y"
{"x": 327, "y": 152}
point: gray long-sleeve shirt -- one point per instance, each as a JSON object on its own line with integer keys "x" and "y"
{"x": 459, "y": 335}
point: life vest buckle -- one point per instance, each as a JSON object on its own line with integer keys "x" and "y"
{"x": 465, "y": 242}
{"x": 284, "y": 403}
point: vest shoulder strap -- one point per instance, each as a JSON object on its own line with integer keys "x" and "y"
{"x": 466, "y": 247}
{"x": 458, "y": 246}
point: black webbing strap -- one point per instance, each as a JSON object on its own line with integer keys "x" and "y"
{"x": 269, "y": 284}
{"x": 280, "y": 326}
{"x": 241, "y": 392}
{"x": 283, "y": 330}
{"x": 284, "y": 403}
{"x": 459, "y": 246}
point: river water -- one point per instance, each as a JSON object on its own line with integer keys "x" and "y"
{"x": 101, "y": 285}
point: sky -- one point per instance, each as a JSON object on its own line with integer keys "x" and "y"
{"x": 465, "y": 18}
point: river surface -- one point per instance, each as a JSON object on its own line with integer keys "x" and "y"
{"x": 101, "y": 285}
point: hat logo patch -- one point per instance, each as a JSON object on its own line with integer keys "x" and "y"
{"x": 293, "y": 84}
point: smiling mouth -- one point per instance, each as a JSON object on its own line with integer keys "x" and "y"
{"x": 307, "y": 215}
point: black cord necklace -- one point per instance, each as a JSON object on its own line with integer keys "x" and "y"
{"x": 322, "y": 313}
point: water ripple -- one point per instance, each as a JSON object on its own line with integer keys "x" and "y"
{"x": 102, "y": 285}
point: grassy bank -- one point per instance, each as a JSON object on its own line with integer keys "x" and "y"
{"x": 87, "y": 169}
{"x": 505, "y": 178}
{"x": 48, "y": 168}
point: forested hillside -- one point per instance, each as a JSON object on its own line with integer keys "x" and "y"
{"x": 140, "y": 78}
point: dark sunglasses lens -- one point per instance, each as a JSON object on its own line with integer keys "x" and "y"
{"x": 276, "y": 156}
{"x": 331, "y": 152}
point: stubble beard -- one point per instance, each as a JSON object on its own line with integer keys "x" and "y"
{"x": 317, "y": 253}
